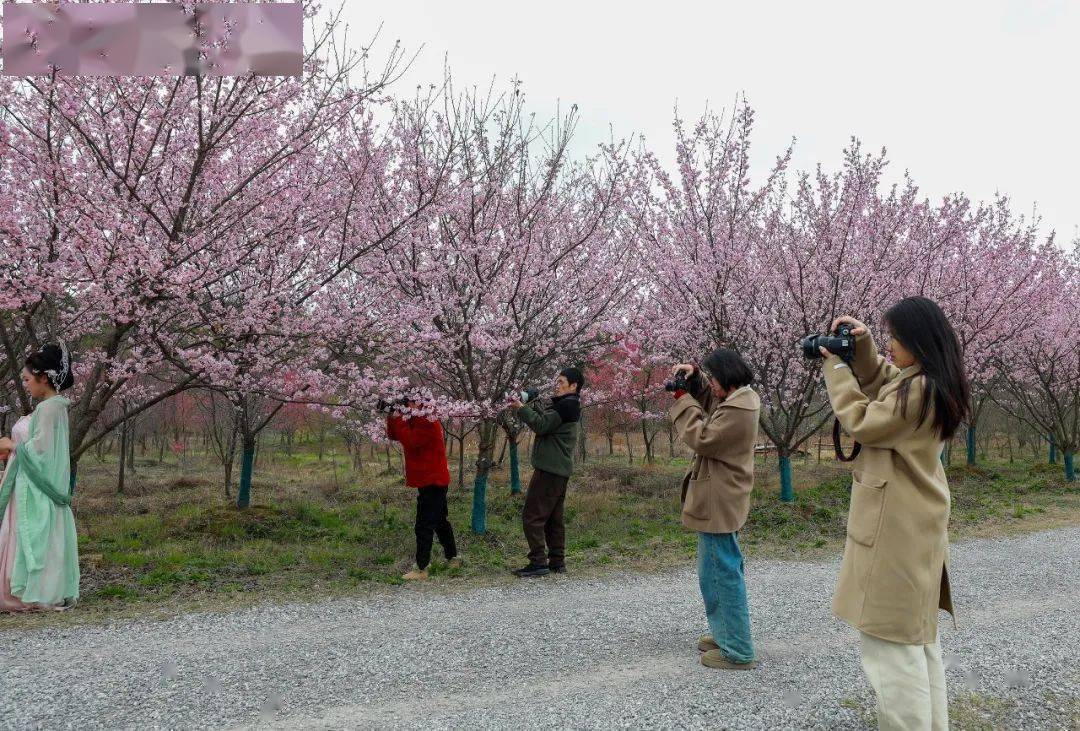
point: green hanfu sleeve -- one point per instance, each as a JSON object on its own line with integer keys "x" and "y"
{"x": 44, "y": 459}
{"x": 8, "y": 484}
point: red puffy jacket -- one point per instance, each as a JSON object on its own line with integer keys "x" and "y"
{"x": 425, "y": 450}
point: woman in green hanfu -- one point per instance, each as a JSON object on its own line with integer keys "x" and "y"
{"x": 39, "y": 553}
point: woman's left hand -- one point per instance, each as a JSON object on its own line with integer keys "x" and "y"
{"x": 6, "y": 445}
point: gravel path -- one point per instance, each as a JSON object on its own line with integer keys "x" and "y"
{"x": 562, "y": 652}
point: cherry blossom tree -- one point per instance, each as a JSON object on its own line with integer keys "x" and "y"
{"x": 989, "y": 269}
{"x": 522, "y": 269}
{"x": 180, "y": 232}
{"x": 1041, "y": 362}
{"x": 834, "y": 249}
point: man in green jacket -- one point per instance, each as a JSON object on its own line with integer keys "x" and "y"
{"x": 555, "y": 424}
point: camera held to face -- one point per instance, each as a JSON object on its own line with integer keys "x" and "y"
{"x": 678, "y": 383}
{"x": 386, "y": 407}
{"x": 841, "y": 343}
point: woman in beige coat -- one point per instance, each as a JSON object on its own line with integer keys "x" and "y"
{"x": 894, "y": 575}
{"x": 717, "y": 417}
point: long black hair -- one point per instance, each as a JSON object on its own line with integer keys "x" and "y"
{"x": 921, "y": 327}
{"x": 54, "y": 362}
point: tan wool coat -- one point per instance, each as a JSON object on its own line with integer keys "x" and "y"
{"x": 716, "y": 488}
{"x": 894, "y": 574}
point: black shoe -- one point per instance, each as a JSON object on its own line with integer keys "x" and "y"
{"x": 532, "y": 570}
{"x": 560, "y": 569}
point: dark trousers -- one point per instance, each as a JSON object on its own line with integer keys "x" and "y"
{"x": 432, "y": 519}
{"x": 542, "y": 519}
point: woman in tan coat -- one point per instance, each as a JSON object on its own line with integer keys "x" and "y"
{"x": 894, "y": 575}
{"x": 717, "y": 417}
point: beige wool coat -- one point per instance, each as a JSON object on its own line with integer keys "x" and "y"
{"x": 894, "y": 575}
{"x": 716, "y": 488}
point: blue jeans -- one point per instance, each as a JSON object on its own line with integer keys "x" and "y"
{"x": 720, "y": 573}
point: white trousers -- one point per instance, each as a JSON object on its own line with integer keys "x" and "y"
{"x": 909, "y": 682}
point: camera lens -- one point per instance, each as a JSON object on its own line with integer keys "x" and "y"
{"x": 810, "y": 346}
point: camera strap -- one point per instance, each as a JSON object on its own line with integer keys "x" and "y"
{"x": 837, "y": 448}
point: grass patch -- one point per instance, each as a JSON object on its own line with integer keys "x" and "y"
{"x": 980, "y": 712}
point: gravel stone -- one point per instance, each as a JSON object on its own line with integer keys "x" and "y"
{"x": 564, "y": 652}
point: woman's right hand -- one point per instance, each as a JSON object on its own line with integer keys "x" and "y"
{"x": 6, "y": 445}
{"x": 857, "y": 328}
{"x": 686, "y": 368}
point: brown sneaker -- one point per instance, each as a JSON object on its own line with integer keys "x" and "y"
{"x": 454, "y": 563}
{"x": 707, "y": 643}
{"x": 714, "y": 659}
{"x": 415, "y": 575}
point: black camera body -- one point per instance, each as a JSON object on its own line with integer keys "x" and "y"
{"x": 841, "y": 343}
{"x": 678, "y": 383}
{"x": 386, "y": 407}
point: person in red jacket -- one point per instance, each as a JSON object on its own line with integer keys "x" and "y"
{"x": 425, "y": 469}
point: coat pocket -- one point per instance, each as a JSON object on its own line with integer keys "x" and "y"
{"x": 698, "y": 502}
{"x": 864, "y": 515}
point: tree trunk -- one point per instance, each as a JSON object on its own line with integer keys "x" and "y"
{"x": 1053, "y": 450}
{"x": 123, "y": 458}
{"x": 787, "y": 488}
{"x": 971, "y": 444}
{"x": 502, "y": 452}
{"x": 461, "y": 463}
{"x": 247, "y": 465}
{"x": 485, "y": 452}
{"x": 583, "y": 439}
{"x": 228, "y": 476}
{"x": 131, "y": 448}
{"x": 515, "y": 468}
{"x": 648, "y": 442}
{"x": 1070, "y": 470}
{"x": 358, "y": 457}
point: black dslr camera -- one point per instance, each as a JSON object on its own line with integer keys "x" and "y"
{"x": 678, "y": 383}
{"x": 385, "y": 407}
{"x": 841, "y": 343}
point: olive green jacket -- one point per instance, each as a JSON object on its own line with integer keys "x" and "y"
{"x": 556, "y": 434}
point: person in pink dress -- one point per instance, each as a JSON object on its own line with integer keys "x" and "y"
{"x": 8, "y": 603}
{"x": 39, "y": 552}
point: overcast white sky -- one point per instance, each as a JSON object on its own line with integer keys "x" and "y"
{"x": 973, "y": 96}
